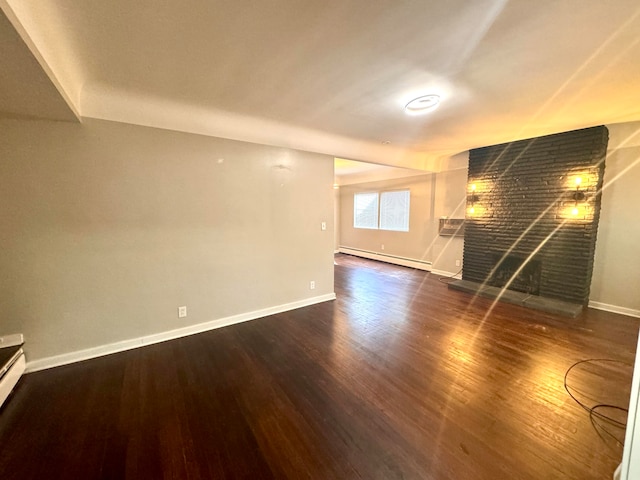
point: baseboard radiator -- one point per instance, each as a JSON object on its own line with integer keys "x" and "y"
{"x": 382, "y": 257}
{"x": 12, "y": 364}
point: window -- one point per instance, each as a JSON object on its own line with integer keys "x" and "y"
{"x": 365, "y": 210}
{"x": 394, "y": 211}
{"x": 386, "y": 210}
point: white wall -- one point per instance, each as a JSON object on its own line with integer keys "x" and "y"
{"x": 336, "y": 218}
{"x": 414, "y": 244}
{"x": 616, "y": 272}
{"x": 106, "y": 228}
{"x": 450, "y": 202}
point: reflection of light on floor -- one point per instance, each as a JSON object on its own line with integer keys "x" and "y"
{"x": 341, "y": 352}
{"x": 460, "y": 347}
{"x": 456, "y": 351}
{"x": 378, "y": 326}
{"x": 546, "y": 382}
{"x": 362, "y": 283}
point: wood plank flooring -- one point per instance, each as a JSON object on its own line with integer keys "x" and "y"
{"x": 399, "y": 378}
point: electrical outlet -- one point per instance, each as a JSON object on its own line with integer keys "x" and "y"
{"x": 182, "y": 312}
{"x": 457, "y": 263}
{"x": 382, "y": 247}
{"x": 323, "y": 226}
{"x": 312, "y": 285}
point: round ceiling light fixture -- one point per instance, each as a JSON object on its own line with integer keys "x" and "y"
{"x": 423, "y": 104}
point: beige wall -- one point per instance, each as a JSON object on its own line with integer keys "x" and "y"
{"x": 413, "y": 244}
{"x": 336, "y": 218}
{"x": 450, "y": 201}
{"x": 106, "y": 228}
{"x": 616, "y": 271}
{"x": 432, "y": 196}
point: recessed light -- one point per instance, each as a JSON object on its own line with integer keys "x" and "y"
{"x": 423, "y": 104}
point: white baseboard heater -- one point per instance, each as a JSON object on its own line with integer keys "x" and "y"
{"x": 382, "y": 257}
{"x": 12, "y": 363}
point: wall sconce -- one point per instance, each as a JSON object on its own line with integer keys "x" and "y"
{"x": 472, "y": 198}
{"x": 577, "y": 206}
{"x": 578, "y": 196}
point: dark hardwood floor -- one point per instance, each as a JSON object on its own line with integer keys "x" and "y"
{"x": 400, "y": 378}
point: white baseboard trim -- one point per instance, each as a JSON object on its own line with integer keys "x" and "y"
{"x": 80, "y": 355}
{"x": 402, "y": 261}
{"x": 444, "y": 273}
{"x": 614, "y": 309}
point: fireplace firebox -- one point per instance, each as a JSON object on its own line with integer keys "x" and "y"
{"x": 510, "y": 271}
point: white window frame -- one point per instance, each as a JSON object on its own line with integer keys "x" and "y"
{"x": 384, "y": 220}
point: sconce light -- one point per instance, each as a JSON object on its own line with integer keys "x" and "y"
{"x": 472, "y": 198}
{"x": 578, "y": 196}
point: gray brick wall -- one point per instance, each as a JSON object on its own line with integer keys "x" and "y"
{"x": 525, "y": 193}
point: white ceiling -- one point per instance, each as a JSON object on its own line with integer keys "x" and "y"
{"x": 332, "y": 76}
{"x": 348, "y": 172}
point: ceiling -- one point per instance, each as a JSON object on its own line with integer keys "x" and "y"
{"x": 331, "y": 76}
{"x": 348, "y": 172}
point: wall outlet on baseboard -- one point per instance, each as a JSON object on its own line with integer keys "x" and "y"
{"x": 182, "y": 312}
{"x": 457, "y": 263}
{"x": 312, "y": 285}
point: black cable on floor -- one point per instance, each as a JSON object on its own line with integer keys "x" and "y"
{"x": 598, "y": 420}
{"x": 440, "y": 279}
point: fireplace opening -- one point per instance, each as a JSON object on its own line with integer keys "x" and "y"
{"x": 527, "y": 280}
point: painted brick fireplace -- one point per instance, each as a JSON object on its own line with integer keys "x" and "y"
{"x": 532, "y": 214}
